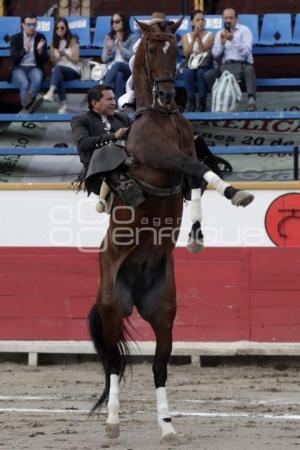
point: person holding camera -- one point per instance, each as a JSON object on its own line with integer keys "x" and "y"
{"x": 233, "y": 50}
{"x": 198, "y": 43}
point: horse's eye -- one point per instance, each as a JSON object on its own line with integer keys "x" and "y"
{"x": 152, "y": 50}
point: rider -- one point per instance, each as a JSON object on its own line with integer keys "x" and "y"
{"x": 100, "y": 133}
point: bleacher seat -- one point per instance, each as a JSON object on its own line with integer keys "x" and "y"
{"x": 296, "y": 35}
{"x": 251, "y": 21}
{"x": 80, "y": 25}
{"x": 102, "y": 28}
{"x": 213, "y": 23}
{"x": 276, "y": 29}
{"x": 8, "y": 27}
{"x": 45, "y": 26}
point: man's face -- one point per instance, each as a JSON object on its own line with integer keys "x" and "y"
{"x": 29, "y": 26}
{"x": 229, "y": 16}
{"x": 106, "y": 105}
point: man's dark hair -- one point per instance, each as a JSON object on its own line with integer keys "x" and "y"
{"x": 28, "y": 16}
{"x": 96, "y": 93}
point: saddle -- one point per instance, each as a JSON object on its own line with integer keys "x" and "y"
{"x": 111, "y": 162}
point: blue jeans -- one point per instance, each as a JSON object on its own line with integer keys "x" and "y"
{"x": 195, "y": 75}
{"x": 58, "y": 76}
{"x": 27, "y": 79}
{"x": 117, "y": 76}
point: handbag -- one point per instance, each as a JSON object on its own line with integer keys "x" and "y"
{"x": 226, "y": 93}
{"x": 85, "y": 69}
{"x": 92, "y": 70}
{"x": 197, "y": 60}
{"x": 98, "y": 71}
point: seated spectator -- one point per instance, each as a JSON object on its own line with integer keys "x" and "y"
{"x": 198, "y": 41}
{"x": 64, "y": 53}
{"x": 117, "y": 52}
{"x": 233, "y": 47}
{"x": 28, "y": 51}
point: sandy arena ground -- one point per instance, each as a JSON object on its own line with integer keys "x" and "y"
{"x": 214, "y": 408}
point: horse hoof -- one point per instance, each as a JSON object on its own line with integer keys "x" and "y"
{"x": 112, "y": 430}
{"x": 169, "y": 438}
{"x": 242, "y": 198}
{"x": 195, "y": 245}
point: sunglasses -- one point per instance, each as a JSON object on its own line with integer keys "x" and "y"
{"x": 60, "y": 28}
{"x": 116, "y": 21}
{"x": 31, "y": 25}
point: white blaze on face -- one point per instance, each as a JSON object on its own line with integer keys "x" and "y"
{"x": 166, "y": 46}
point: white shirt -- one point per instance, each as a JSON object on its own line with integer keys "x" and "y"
{"x": 238, "y": 49}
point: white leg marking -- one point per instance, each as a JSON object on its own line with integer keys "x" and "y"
{"x": 113, "y": 400}
{"x": 163, "y": 414}
{"x": 112, "y": 424}
{"x": 196, "y": 205}
{"x": 215, "y": 181}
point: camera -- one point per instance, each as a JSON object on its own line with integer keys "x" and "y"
{"x": 227, "y": 26}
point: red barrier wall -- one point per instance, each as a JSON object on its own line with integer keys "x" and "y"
{"x": 223, "y": 294}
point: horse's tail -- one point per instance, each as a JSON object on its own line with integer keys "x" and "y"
{"x": 123, "y": 352}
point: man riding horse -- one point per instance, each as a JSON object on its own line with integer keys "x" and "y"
{"x": 136, "y": 255}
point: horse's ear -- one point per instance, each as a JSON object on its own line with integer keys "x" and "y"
{"x": 174, "y": 27}
{"x": 145, "y": 28}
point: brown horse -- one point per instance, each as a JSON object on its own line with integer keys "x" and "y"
{"x": 136, "y": 263}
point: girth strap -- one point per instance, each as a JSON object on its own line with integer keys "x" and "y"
{"x": 156, "y": 191}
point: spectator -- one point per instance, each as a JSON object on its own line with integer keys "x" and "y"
{"x": 64, "y": 53}
{"x": 116, "y": 53}
{"x": 198, "y": 41}
{"x": 233, "y": 46}
{"x": 28, "y": 51}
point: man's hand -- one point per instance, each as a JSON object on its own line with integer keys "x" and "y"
{"x": 226, "y": 35}
{"x": 41, "y": 45}
{"x": 120, "y": 133}
{"x": 109, "y": 43}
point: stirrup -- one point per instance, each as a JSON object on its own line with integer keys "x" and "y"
{"x": 130, "y": 193}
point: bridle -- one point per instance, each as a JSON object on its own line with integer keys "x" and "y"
{"x": 163, "y": 37}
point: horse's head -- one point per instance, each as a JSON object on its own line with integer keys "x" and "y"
{"x": 159, "y": 46}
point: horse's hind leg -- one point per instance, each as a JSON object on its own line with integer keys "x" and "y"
{"x": 158, "y": 307}
{"x": 162, "y": 353}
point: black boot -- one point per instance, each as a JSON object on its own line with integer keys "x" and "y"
{"x": 190, "y": 104}
{"x": 125, "y": 188}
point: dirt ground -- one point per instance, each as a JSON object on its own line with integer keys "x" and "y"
{"x": 214, "y": 408}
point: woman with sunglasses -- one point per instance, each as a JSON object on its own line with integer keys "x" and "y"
{"x": 117, "y": 52}
{"x": 64, "y": 53}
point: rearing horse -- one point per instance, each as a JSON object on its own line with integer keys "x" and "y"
{"x": 136, "y": 262}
